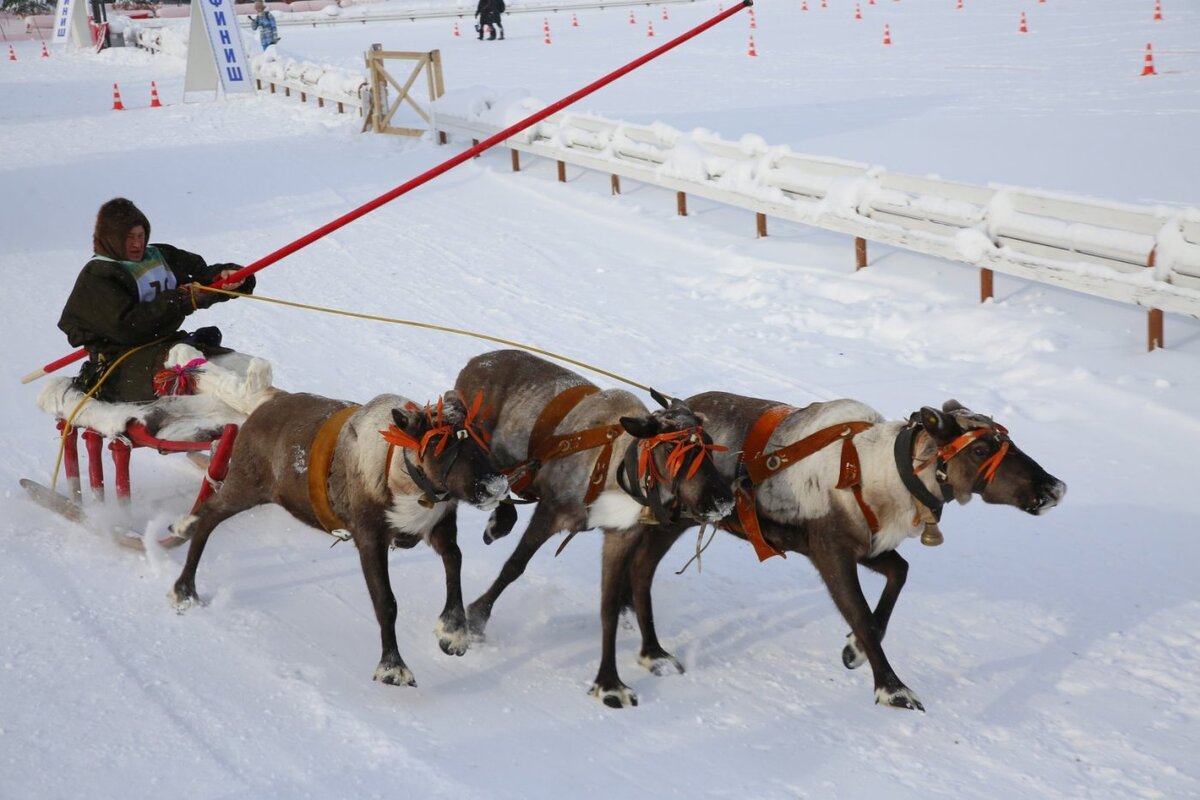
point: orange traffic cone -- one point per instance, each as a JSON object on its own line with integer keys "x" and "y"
{"x": 1148, "y": 69}
{"x": 751, "y": 51}
{"x": 803, "y": 5}
{"x": 545, "y": 24}
{"x": 12, "y": 54}
{"x": 456, "y": 33}
{"x": 574, "y": 21}
{"x": 824, "y": 4}
{"x": 959, "y": 6}
{"x": 632, "y": 21}
{"x": 665, "y": 17}
{"x": 753, "y": 21}
{"x": 887, "y": 34}
{"x": 870, "y": 2}
{"x": 650, "y": 29}
{"x": 546, "y": 30}
{"x": 857, "y": 11}
{"x": 117, "y": 99}
{"x": 1158, "y": 10}
{"x": 154, "y": 96}
{"x": 45, "y": 52}
{"x": 1024, "y": 27}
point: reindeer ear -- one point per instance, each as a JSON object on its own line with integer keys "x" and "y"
{"x": 660, "y": 398}
{"x": 404, "y": 419}
{"x": 941, "y": 426}
{"x": 641, "y": 427}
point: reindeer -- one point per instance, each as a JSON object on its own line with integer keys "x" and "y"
{"x": 838, "y": 483}
{"x": 555, "y": 434}
{"x": 386, "y": 473}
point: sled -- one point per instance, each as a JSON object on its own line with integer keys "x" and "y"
{"x": 164, "y": 426}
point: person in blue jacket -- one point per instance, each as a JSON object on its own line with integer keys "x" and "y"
{"x": 264, "y": 23}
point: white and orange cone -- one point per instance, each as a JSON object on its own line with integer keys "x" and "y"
{"x": 45, "y": 52}
{"x": 154, "y": 103}
{"x": 117, "y": 99}
{"x": 650, "y": 29}
{"x": 857, "y": 11}
{"x": 574, "y": 21}
{"x": 456, "y": 33}
{"x": 751, "y": 51}
{"x": 546, "y": 30}
{"x": 632, "y": 19}
{"x": 1148, "y": 67}
{"x": 887, "y": 34}
{"x": 12, "y": 54}
{"x": 1024, "y": 26}
{"x": 1158, "y": 11}
{"x": 665, "y": 17}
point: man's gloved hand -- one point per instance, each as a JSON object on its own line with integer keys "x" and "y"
{"x": 245, "y": 285}
{"x": 198, "y": 298}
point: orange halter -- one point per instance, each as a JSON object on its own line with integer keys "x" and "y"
{"x": 440, "y": 431}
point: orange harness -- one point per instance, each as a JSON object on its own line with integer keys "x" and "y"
{"x": 320, "y": 459}
{"x": 761, "y": 465}
{"x": 545, "y": 446}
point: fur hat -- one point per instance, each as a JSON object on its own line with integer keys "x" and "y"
{"x": 114, "y": 221}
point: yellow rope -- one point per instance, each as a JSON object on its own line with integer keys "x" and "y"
{"x": 432, "y": 327}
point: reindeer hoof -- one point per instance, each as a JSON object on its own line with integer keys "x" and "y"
{"x": 621, "y": 696}
{"x": 902, "y": 697}
{"x": 182, "y": 599}
{"x": 477, "y": 620}
{"x": 853, "y": 656}
{"x": 453, "y": 641}
{"x": 662, "y": 664}
{"x": 394, "y": 675}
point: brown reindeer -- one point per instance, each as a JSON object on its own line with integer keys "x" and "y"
{"x": 388, "y": 473}
{"x": 840, "y": 484}
{"x": 556, "y": 433}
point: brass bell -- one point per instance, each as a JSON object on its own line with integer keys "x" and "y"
{"x": 932, "y": 535}
{"x": 425, "y": 501}
{"x": 647, "y": 517}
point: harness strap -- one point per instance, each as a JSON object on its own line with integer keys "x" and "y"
{"x": 320, "y": 460}
{"x": 851, "y": 478}
{"x": 903, "y": 452}
{"x": 761, "y": 465}
{"x": 542, "y": 443}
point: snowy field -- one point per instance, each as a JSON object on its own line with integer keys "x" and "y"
{"x": 1057, "y": 656}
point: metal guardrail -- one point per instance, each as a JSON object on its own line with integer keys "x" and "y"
{"x": 1147, "y": 256}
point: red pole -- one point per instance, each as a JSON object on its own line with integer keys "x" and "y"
{"x": 445, "y": 166}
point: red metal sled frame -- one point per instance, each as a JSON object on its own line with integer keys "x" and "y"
{"x": 136, "y": 435}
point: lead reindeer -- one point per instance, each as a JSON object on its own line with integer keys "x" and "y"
{"x": 388, "y": 473}
{"x": 838, "y": 483}
{"x": 556, "y": 433}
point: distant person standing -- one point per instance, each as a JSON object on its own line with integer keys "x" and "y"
{"x": 489, "y": 12}
{"x": 264, "y": 23}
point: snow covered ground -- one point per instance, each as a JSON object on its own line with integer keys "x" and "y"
{"x": 1058, "y": 656}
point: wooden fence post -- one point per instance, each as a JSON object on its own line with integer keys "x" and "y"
{"x": 681, "y": 204}
{"x": 985, "y": 284}
{"x": 615, "y": 183}
{"x": 1154, "y": 320}
{"x": 860, "y": 253}
{"x": 562, "y": 172}
{"x": 760, "y": 224}
{"x": 516, "y": 161}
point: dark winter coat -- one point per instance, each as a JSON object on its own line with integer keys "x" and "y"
{"x": 105, "y": 315}
{"x": 489, "y": 11}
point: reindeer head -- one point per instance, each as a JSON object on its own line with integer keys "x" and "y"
{"x": 670, "y": 465}
{"x": 446, "y": 453}
{"x": 976, "y": 456}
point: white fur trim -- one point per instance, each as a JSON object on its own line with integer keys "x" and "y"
{"x": 614, "y": 510}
